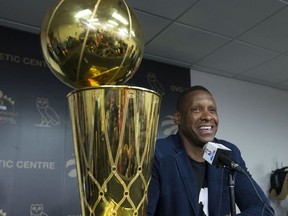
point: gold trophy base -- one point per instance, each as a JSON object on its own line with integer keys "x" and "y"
{"x": 114, "y": 131}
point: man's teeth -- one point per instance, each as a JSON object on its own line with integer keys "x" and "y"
{"x": 206, "y": 128}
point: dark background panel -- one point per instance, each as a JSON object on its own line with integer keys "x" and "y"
{"x": 37, "y": 166}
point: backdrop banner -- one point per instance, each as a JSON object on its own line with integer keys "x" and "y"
{"x": 37, "y": 166}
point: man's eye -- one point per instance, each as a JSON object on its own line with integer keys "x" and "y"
{"x": 213, "y": 110}
{"x": 195, "y": 109}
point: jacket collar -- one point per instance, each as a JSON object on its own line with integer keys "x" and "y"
{"x": 215, "y": 179}
{"x": 186, "y": 173}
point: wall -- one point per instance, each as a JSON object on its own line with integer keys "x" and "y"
{"x": 255, "y": 118}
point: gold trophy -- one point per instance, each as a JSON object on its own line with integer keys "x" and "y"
{"x": 95, "y": 46}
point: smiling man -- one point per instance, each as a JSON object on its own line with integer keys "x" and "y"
{"x": 182, "y": 183}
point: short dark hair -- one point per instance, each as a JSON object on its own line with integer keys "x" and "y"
{"x": 183, "y": 95}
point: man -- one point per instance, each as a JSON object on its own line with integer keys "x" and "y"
{"x": 182, "y": 183}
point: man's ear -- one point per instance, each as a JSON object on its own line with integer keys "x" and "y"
{"x": 177, "y": 117}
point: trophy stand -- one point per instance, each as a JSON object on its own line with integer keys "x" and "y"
{"x": 95, "y": 46}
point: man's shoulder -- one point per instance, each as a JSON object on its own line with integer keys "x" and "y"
{"x": 168, "y": 147}
{"x": 168, "y": 142}
{"x": 169, "y": 139}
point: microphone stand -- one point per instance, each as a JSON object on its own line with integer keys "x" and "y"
{"x": 231, "y": 185}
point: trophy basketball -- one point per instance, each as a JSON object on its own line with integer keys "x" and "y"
{"x": 95, "y": 46}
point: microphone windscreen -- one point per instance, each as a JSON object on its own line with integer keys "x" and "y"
{"x": 212, "y": 151}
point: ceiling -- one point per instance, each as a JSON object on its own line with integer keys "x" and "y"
{"x": 241, "y": 39}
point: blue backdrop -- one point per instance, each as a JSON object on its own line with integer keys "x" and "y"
{"x": 37, "y": 167}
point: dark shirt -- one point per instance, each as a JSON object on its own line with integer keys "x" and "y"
{"x": 199, "y": 170}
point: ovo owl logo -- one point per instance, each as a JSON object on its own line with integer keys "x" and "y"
{"x": 37, "y": 210}
{"x": 48, "y": 115}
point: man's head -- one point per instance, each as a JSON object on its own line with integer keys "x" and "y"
{"x": 196, "y": 116}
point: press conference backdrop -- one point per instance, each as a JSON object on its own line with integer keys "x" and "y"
{"x": 37, "y": 166}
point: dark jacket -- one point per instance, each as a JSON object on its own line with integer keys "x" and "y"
{"x": 172, "y": 191}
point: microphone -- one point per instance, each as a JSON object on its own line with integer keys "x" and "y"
{"x": 219, "y": 155}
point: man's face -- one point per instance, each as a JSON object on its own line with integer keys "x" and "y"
{"x": 198, "y": 119}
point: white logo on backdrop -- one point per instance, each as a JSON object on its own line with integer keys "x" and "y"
{"x": 37, "y": 210}
{"x": 2, "y": 213}
{"x": 70, "y": 165}
{"x": 168, "y": 125}
{"x": 7, "y": 112}
{"x": 21, "y": 164}
{"x": 48, "y": 115}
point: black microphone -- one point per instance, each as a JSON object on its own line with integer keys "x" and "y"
{"x": 219, "y": 155}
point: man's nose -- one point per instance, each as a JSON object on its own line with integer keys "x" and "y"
{"x": 206, "y": 115}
